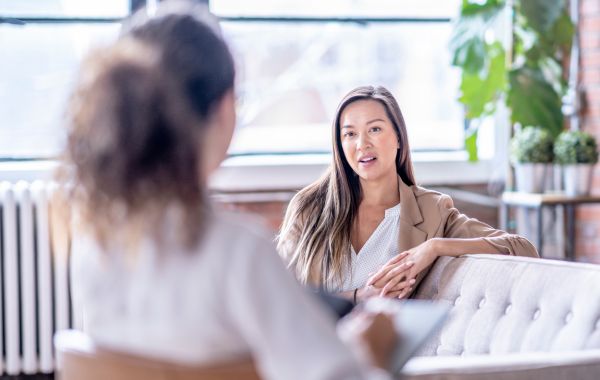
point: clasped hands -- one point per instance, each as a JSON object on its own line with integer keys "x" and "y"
{"x": 397, "y": 277}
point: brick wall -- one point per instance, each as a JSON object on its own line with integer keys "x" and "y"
{"x": 588, "y": 218}
{"x": 269, "y": 209}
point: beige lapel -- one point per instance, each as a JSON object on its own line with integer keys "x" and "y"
{"x": 410, "y": 215}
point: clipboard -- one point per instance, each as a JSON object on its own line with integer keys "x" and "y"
{"x": 415, "y": 322}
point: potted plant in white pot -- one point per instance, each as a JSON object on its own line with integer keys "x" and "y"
{"x": 532, "y": 156}
{"x": 576, "y": 152}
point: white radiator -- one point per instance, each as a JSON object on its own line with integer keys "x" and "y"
{"x": 34, "y": 280}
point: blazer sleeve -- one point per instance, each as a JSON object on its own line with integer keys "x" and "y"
{"x": 458, "y": 225}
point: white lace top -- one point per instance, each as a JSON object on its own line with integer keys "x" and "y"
{"x": 381, "y": 246}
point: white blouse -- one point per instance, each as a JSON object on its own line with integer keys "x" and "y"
{"x": 381, "y": 247}
{"x": 229, "y": 297}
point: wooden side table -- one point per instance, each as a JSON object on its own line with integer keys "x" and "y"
{"x": 538, "y": 202}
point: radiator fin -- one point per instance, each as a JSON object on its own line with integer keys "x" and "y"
{"x": 34, "y": 281}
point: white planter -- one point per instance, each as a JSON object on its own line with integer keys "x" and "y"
{"x": 532, "y": 178}
{"x": 558, "y": 184}
{"x": 578, "y": 179}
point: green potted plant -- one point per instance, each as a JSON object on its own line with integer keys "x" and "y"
{"x": 532, "y": 156}
{"x": 576, "y": 152}
{"x": 512, "y": 52}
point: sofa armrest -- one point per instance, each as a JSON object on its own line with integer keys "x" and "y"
{"x": 517, "y": 366}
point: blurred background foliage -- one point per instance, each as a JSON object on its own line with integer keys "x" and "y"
{"x": 529, "y": 74}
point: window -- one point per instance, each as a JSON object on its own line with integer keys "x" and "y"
{"x": 56, "y": 9}
{"x": 43, "y": 43}
{"x": 298, "y": 58}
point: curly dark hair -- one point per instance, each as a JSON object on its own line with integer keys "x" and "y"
{"x": 136, "y": 121}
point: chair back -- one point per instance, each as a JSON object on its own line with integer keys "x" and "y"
{"x": 79, "y": 358}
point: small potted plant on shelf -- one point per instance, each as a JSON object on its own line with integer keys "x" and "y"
{"x": 532, "y": 156}
{"x": 576, "y": 152}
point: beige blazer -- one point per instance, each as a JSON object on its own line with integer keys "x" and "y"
{"x": 427, "y": 214}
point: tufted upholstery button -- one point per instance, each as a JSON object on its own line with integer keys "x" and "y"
{"x": 568, "y": 317}
{"x": 508, "y": 309}
{"x": 457, "y": 300}
{"x": 481, "y": 303}
{"x": 536, "y": 315}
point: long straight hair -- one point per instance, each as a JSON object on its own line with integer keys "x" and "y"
{"x": 315, "y": 234}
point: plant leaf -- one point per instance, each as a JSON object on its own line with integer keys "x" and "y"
{"x": 468, "y": 46}
{"x": 479, "y": 91}
{"x": 533, "y": 100}
{"x": 562, "y": 31}
{"x": 542, "y": 14}
{"x": 531, "y": 145}
{"x": 471, "y": 144}
{"x": 557, "y": 42}
{"x": 467, "y": 43}
{"x": 486, "y": 10}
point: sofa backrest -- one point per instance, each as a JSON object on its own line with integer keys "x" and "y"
{"x": 507, "y": 304}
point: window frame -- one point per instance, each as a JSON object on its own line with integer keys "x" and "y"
{"x": 294, "y": 171}
{"x": 36, "y": 166}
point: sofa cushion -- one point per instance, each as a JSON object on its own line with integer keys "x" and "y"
{"x": 505, "y": 304}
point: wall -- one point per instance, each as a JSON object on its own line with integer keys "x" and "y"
{"x": 270, "y": 207}
{"x": 588, "y": 218}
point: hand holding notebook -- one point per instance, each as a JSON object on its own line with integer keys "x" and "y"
{"x": 414, "y": 321}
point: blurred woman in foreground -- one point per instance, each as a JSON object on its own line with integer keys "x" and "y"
{"x": 157, "y": 271}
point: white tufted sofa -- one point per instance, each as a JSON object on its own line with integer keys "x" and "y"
{"x": 512, "y": 318}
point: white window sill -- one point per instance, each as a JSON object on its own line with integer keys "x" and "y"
{"x": 290, "y": 172}
{"x": 15, "y": 171}
{"x": 293, "y": 172}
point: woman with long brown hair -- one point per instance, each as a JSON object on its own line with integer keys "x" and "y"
{"x": 156, "y": 270}
{"x": 365, "y": 228}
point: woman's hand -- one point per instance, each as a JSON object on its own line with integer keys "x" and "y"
{"x": 398, "y": 275}
{"x": 367, "y": 292}
{"x": 393, "y": 279}
{"x": 395, "y": 269}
